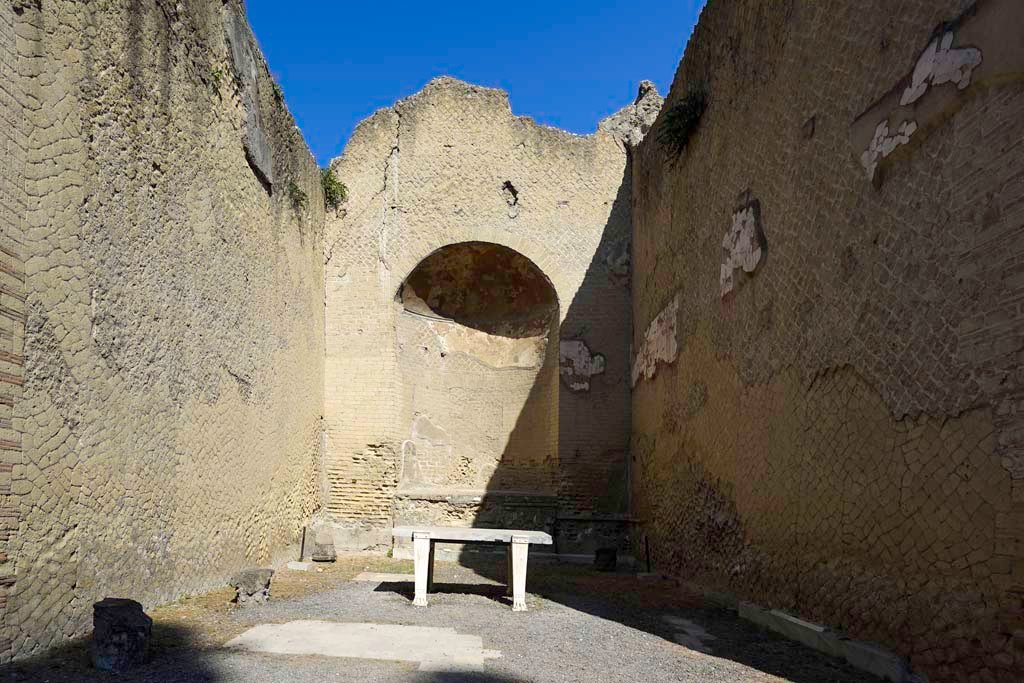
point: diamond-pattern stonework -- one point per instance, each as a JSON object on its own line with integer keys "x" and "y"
{"x": 843, "y": 436}
{"x": 167, "y": 432}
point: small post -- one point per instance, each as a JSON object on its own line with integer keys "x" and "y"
{"x": 421, "y": 561}
{"x": 520, "y": 553}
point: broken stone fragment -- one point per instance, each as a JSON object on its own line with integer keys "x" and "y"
{"x": 631, "y": 124}
{"x": 252, "y": 585}
{"x": 120, "y": 636}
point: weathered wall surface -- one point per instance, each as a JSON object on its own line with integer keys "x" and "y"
{"x": 477, "y": 354}
{"x": 12, "y": 291}
{"x": 829, "y": 301}
{"x": 172, "y": 361}
{"x": 452, "y": 165}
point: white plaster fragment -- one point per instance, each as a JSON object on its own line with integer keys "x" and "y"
{"x": 576, "y": 364}
{"x": 659, "y": 343}
{"x": 743, "y": 248}
{"x": 885, "y": 143}
{"x": 941, "y": 63}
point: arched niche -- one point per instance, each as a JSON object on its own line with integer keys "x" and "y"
{"x": 477, "y": 349}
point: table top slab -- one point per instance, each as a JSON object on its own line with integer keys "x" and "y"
{"x": 470, "y": 535}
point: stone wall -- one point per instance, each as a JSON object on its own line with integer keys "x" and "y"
{"x": 12, "y": 291}
{"x": 828, "y": 411}
{"x": 447, "y": 166}
{"x": 168, "y": 430}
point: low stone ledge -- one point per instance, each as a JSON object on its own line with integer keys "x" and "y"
{"x": 875, "y": 659}
{"x": 869, "y": 657}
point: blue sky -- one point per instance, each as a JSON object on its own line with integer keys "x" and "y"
{"x": 566, "y": 64}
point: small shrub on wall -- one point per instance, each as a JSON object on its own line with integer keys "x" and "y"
{"x": 682, "y": 119}
{"x": 297, "y": 196}
{"x": 335, "y": 192}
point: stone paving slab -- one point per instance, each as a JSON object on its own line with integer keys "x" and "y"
{"x": 380, "y": 577}
{"x": 433, "y": 648}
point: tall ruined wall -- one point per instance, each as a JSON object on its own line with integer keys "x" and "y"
{"x": 167, "y": 433}
{"x": 12, "y": 292}
{"x": 453, "y": 165}
{"x": 829, "y": 405}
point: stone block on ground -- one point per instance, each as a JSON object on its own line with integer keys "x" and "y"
{"x": 120, "y": 636}
{"x": 300, "y": 566}
{"x": 606, "y": 559}
{"x": 323, "y": 545}
{"x": 252, "y": 585}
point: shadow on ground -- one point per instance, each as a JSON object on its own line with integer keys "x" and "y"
{"x": 656, "y": 606}
{"x": 491, "y": 591}
{"x": 176, "y": 656}
{"x": 171, "y": 659}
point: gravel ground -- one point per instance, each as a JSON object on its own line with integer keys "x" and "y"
{"x": 582, "y": 626}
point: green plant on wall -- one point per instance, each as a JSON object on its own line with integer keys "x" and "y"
{"x": 335, "y": 192}
{"x": 216, "y": 75}
{"x": 297, "y": 196}
{"x": 682, "y": 119}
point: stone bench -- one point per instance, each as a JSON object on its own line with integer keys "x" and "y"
{"x": 517, "y": 547}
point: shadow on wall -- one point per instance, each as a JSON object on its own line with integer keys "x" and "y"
{"x": 589, "y": 509}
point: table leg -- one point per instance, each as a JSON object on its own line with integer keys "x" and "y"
{"x": 508, "y": 570}
{"x": 520, "y": 553}
{"x": 430, "y": 568}
{"x": 421, "y": 547}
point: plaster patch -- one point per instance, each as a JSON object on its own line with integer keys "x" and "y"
{"x": 744, "y": 245}
{"x": 885, "y": 143}
{"x": 425, "y": 430}
{"x": 659, "y": 343}
{"x": 432, "y": 648}
{"x": 941, "y": 63}
{"x": 576, "y": 364}
{"x": 494, "y": 350}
